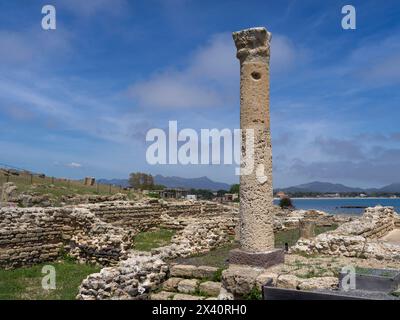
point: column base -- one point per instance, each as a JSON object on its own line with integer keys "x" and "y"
{"x": 257, "y": 259}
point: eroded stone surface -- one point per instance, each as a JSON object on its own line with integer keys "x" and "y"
{"x": 172, "y": 284}
{"x": 163, "y": 295}
{"x": 210, "y": 288}
{"x": 203, "y": 272}
{"x": 188, "y": 286}
{"x": 183, "y": 271}
{"x": 358, "y": 238}
{"x": 239, "y": 280}
{"x": 256, "y": 198}
{"x": 181, "y": 296}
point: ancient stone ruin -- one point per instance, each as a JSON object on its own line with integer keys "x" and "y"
{"x": 100, "y": 229}
{"x": 256, "y": 194}
{"x": 361, "y": 238}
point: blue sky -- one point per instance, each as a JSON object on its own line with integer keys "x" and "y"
{"x": 79, "y": 100}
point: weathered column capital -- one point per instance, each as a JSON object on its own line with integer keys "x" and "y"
{"x": 252, "y": 44}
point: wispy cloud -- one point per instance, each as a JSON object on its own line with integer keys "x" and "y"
{"x": 211, "y": 76}
{"x": 74, "y": 165}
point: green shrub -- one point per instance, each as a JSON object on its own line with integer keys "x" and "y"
{"x": 285, "y": 202}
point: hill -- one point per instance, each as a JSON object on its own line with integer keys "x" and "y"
{"x": 177, "y": 182}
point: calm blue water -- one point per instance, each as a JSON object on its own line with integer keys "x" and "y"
{"x": 333, "y": 205}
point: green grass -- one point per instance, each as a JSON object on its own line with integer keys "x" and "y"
{"x": 254, "y": 294}
{"x": 57, "y": 188}
{"x": 145, "y": 241}
{"x": 214, "y": 258}
{"x": 26, "y": 283}
{"x": 218, "y": 257}
{"x": 291, "y": 236}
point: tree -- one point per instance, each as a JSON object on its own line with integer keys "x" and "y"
{"x": 141, "y": 181}
{"x": 234, "y": 188}
{"x": 286, "y": 203}
{"x": 221, "y": 193}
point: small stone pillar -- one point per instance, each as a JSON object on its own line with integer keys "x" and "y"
{"x": 256, "y": 194}
{"x": 307, "y": 229}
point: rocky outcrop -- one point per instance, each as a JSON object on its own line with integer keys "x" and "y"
{"x": 359, "y": 238}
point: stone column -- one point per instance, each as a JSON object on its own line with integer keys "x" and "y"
{"x": 256, "y": 195}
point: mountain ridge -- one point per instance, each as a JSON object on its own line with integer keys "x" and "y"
{"x": 206, "y": 183}
{"x": 176, "y": 182}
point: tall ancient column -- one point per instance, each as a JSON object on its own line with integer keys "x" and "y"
{"x": 256, "y": 195}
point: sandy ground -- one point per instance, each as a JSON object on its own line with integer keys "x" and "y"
{"x": 393, "y": 236}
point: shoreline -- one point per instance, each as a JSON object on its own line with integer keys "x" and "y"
{"x": 343, "y": 198}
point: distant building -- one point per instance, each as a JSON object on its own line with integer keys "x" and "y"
{"x": 227, "y": 197}
{"x": 363, "y": 195}
{"x": 173, "y": 193}
{"x": 89, "y": 181}
{"x": 191, "y": 197}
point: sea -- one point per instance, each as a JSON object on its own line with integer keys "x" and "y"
{"x": 351, "y": 206}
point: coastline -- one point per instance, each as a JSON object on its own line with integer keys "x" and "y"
{"x": 342, "y": 198}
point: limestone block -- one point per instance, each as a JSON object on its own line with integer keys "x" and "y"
{"x": 188, "y": 286}
{"x": 205, "y": 272}
{"x": 210, "y": 288}
{"x": 288, "y": 281}
{"x": 239, "y": 279}
{"x": 319, "y": 283}
{"x": 264, "y": 277}
{"x": 163, "y": 295}
{"x": 171, "y": 284}
{"x": 184, "y": 271}
{"x": 181, "y": 296}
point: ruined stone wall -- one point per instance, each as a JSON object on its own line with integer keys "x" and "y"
{"x": 96, "y": 233}
{"x": 359, "y": 238}
{"x": 33, "y": 235}
{"x": 375, "y": 223}
{"x": 141, "y": 273}
{"x": 143, "y": 216}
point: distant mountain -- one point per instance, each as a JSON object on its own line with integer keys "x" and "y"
{"x": 391, "y": 188}
{"x": 206, "y": 183}
{"x": 176, "y": 182}
{"x": 321, "y": 187}
{"x": 189, "y": 183}
{"x": 326, "y": 187}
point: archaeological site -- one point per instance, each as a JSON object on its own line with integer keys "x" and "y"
{"x": 250, "y": 249}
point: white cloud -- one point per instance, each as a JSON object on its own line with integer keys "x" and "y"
{"x": 377, "y": 62}
{"x": 211, "y": 77}
{"x": 283, "y": 54}
{"x": 74, "y": 165}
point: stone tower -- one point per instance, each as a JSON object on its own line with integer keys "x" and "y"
{"x": 256, "y": 195}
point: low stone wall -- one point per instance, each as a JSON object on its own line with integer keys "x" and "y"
{"x": 290, "y": 219}
{"x": 143, "y": 216}
{"x": 359, "y": 238}
{"x": 140, "y": 273}
{"x": 99, "y": 233}
{"x": 92, "y": 198}
{"x": 33, "y": 235}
